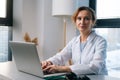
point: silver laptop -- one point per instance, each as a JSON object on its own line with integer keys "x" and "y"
{"x": 27, "y": 60}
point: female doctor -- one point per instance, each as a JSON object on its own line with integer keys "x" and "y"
{"x": 87, "y": 51}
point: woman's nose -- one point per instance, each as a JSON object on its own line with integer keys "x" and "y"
{"x": 82, "y": 21}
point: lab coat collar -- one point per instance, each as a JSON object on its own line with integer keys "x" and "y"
{"x": 89, "y": 39}
{"x": 91, "y": 36}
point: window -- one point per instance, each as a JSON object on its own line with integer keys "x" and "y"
{"x": 6, "y": 12}
{"x": 3, "y": 43}
{"x": 3, "y": 8}
{"x": 106, "y": 11}
{"x": 108, "y": 26}
{"x": 5, "y": 29}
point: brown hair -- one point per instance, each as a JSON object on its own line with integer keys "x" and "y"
{"x": 74, "y": 16}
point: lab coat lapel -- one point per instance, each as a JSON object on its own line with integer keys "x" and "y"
{"x": 89, "y": 44}
{"x": 76, "y": 51}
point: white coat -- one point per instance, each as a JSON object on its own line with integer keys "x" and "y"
{"x": 90, "y": 61}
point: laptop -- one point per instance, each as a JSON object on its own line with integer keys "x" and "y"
{"x": 27, "y": 60}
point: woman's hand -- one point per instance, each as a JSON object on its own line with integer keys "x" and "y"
{"x": 45, "y": 64}
{"x": 55, "y": 68}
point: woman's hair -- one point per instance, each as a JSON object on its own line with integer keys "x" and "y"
{"x": 74, "y": 17}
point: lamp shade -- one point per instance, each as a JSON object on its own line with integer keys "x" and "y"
{"x": 62, "y": 7}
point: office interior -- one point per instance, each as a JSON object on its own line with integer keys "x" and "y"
{"x": 35, "y": 18}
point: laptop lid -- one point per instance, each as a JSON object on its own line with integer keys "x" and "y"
{"x": 26, "y": 57}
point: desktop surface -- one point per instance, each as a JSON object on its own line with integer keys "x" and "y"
{"x": 8, "y": 71}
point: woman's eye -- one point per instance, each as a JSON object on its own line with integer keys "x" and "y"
{"x": 79, "y": 18}
{"x": 87, "y": 18}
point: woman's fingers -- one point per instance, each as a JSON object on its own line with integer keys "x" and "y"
{"x": 51, "y": 69}
{"x": 45, "y": 64}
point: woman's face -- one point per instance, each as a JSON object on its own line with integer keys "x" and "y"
{"x": 84, "y": 21}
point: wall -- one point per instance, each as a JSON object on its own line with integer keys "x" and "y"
{"x": 50, "y": 29}
{"x": 35, "y": 17}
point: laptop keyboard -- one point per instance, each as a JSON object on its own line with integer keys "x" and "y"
{"x": 46, "y": 73}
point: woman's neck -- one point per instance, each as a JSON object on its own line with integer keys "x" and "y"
{"x": 84, "y": 36}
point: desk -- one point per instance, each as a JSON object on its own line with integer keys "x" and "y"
{"x": 8, "y": 71}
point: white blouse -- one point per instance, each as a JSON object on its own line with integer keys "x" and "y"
{"x": 91, "y": 60}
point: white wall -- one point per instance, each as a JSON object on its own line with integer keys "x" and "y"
{"x": 51, "y": 39}
{"x": 35, "y": 17}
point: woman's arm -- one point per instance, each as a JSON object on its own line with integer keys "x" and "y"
{"x": 63, "y": 56}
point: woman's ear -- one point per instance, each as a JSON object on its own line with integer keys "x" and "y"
{"x": 93, "y": 24}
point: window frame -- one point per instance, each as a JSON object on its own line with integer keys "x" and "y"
{"x": 104, "y": 23}
{"x": 8, "y": 21}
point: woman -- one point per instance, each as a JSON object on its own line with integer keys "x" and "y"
{"x": 87, "y": 51}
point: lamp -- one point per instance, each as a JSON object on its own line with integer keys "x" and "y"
{"x": 63, "y": 8}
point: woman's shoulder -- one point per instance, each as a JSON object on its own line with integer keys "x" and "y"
{"x": 96, "y": 38}
{"x": 96, "y": 35}
{"x": 100, "y": 38}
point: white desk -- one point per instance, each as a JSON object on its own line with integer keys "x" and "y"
{"x": 8, "y": 70}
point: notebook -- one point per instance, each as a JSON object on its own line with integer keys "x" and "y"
{"x": 27, "y": 60}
